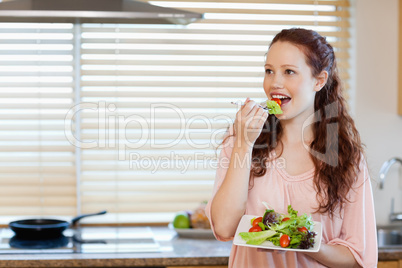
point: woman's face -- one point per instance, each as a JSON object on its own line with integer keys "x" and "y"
{"x": 288, "y": 77}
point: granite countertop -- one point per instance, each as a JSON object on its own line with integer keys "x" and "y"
{"x": 174, "y": 251}
{"x": 388, "y": 254}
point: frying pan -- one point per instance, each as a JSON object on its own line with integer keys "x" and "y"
{"x": 44, "y": 228}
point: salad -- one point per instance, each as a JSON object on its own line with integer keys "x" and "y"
{"x": 287, "y": 231}
{"x": 274, "y": 106}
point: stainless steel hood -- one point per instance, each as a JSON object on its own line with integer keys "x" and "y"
{"x": 92, "y": 11}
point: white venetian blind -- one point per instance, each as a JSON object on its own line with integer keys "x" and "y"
{"x": 37, "y": 164}
{"x": 158, "y": 98}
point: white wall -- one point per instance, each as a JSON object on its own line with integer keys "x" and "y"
{"x": 376, "y": 41}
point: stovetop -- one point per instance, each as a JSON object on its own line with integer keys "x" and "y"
{"x": 84, "y": 240}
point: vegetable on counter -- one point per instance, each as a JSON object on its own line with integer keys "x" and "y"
{"x": 181, "y": 220}
{"x": 199, "y": 219}
{"x": 195, "y": 219}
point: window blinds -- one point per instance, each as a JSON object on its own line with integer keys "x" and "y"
{"x": 154, "y": 102}
{"x": 37, "y": 164}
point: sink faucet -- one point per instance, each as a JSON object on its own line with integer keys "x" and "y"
{"x": 385, "y": 167}
{"x": 394, "y": 216}
{"x": 383, "y": 172}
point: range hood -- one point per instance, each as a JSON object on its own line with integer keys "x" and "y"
{"x": 92, "y": 11}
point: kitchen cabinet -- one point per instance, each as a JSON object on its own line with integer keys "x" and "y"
{"x": 390, "y": 264}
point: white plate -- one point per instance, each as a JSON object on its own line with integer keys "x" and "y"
{"x": 245, "y": 225}
{"x": 192, "y": 233}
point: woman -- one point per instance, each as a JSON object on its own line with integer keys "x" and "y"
{"x": 309, "y": 157}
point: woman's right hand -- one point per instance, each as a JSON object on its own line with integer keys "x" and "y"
{"x": 249, "y": 122}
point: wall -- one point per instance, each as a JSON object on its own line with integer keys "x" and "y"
{"x": 375, "y": 99}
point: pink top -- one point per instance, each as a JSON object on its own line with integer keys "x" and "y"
{"x": 355, "y": 228}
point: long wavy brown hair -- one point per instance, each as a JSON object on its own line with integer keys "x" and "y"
{"x": 336, "y": 149}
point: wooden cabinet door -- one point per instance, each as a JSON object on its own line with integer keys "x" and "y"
{"x": 388, "y": 264}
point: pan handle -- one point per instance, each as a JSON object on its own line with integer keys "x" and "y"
{"x": 74, "y": 220}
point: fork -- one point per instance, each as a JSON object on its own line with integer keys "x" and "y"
{"x": 242, "y": 103}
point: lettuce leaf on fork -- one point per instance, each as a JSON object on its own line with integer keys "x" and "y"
{"x": 273, "y": 107}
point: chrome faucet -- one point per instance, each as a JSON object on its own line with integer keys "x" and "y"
{"x": 383, "y": 173}
{"x": 385, "y": 168}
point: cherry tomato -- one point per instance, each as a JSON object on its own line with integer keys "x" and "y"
{"x": 302, "y": 229}
{"x": 285, "y": 219}
{"x": 277, "y": 101}
{"x": 284, "y": 241}
{"x": 257, "y": 220}
{"x": 255, "y": 229}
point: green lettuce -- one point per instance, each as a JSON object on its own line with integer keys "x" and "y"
{"x": 278, "y": 227}
{"x": 290, "y": 227}
{"x": 256, "y": 238}
{"x": 273, "y": 107}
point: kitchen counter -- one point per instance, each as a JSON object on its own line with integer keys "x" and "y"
{"x": 388, "y": 254}
{"x": 174, "y": 251}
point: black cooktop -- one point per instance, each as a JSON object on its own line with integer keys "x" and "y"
{"x": 84, "y": 240}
